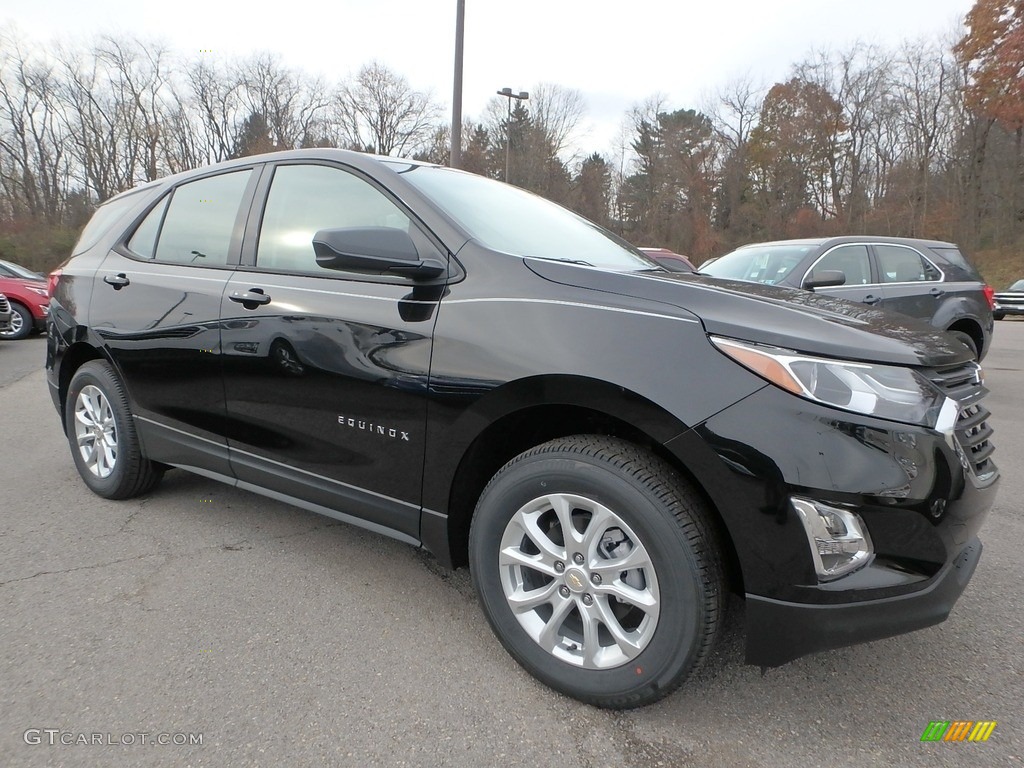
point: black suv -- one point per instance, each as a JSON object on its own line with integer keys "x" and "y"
{"x": 926, "y": 279}
{"x": 609, "y": 446}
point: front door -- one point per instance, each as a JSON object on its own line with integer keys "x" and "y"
{"x": 326, "y": 371}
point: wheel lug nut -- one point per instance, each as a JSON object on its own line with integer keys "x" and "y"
{"x": 563, "y": 591}
{"x": 577, "y": 558}
{"x": 596, "y": 578}
{"x": 559, "y": 566}
{"x": 588, "y": 600}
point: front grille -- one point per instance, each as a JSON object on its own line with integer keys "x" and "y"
{"x": 963, "y": 384}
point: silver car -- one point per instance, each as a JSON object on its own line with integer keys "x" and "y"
{"x": 1010, "y": 301}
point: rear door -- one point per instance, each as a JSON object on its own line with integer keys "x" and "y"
{"x": 913, "y": 284}
{"x": 156, "y": 308}
{"x": 326, "y": 371}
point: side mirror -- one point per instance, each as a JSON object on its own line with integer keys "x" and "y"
{"x": 825, "y": 278}
{"x": 373, "y": 250}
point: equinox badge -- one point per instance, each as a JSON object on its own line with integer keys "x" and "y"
{"x": 376, "y": 429}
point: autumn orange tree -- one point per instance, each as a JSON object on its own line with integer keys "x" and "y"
{"x": 992, "y": 53}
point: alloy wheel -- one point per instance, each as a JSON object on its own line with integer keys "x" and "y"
{"x": 96, "y": 431}
{"x": 579, "y": 581}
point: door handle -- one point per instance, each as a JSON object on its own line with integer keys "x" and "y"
{"x": 937, "y": 292}
{"x": 250, "y": 299}
{"x": 119, "y": 280}
{"x": 871, "y": 299}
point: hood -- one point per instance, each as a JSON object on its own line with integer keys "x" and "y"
{"x": 783, "y": 317}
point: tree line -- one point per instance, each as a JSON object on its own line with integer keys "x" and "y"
{"x": 924, "y": 139}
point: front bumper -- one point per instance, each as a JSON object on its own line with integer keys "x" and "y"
{"x": 922, "y": 498}
{"x": 785, "y": 631}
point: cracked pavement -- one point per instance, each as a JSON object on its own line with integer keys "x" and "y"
{"x": 286, "y": 638}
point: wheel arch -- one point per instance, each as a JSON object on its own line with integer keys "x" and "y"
{"x": 564, "y": 406}
{"x": 973, "y": 329}
{"x": 73, "y": 358}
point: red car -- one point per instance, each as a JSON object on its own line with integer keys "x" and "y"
{"x": 28, "y": 298}
{"x": 673, "y": 262}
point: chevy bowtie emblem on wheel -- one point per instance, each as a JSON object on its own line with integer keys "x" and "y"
{"x": 377, "y": 429}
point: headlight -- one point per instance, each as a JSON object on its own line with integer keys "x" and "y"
{"x": 885, "y": 391}
{"x": 40, "y": 291}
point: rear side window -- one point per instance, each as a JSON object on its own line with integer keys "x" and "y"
{"x": 195, "y": 224}
{"x": 143, "y": 242}
{"x": 306, "y": 198}
{"x": 904, "y": 265}
{"x": 957, "y": 259}
{"x": 105, "y": 217}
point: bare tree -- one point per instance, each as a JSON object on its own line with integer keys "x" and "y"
{"x": 33, "y": 157}
{"x": 557, "y": 112}
{"x": 378, "y": 110}
{"x": 292, "y": 104}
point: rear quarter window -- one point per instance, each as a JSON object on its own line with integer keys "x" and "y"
{"x": 106, "y": 216}
{"x": 957, "y": 259}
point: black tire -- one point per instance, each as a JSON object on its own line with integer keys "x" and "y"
{"x": 22, "y": 323}
{"x": 657, "y": 513}
{"x": 129, "y": 473}
{"x": 998, "y": 315}
{"x": 967, "y": 341}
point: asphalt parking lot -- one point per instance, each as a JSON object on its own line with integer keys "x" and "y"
{"x": 284, "y": 638}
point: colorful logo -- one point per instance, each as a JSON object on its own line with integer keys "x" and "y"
{"x": 958, "y": 730}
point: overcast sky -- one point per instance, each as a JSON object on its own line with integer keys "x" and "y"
{"x": 615, "y": 53}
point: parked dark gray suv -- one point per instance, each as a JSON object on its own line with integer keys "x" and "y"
{"x": 927, "y": 279}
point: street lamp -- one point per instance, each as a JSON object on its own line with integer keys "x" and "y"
{"x": 521, "y": 96}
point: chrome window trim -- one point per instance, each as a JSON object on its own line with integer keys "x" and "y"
{"x": 870, "y": 244}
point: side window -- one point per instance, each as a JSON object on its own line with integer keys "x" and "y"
{"x": 195, "y": 223}
{"x": 143, "y": 242}
{"x": 904, "y": 265}
{"x": 306, "y": 198}
{"x": 851, "y": 260}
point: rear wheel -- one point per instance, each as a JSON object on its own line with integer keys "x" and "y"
{"x": 102, "y": 435}
{"x": 21, "y": 323}
{"x": 597, "y": 568}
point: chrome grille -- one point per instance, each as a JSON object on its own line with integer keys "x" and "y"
{"x": 963, "y": 384}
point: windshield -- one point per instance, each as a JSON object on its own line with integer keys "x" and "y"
{"x": 15, "y": 270}
{"x": 768, "y": 264}
{"x": 508, "y": 219}
{"x": 1018, "y": 286}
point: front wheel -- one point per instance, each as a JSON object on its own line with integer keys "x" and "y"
{"x": 21, "y": 323}
{"x": 101, "y": 432}
{"x": 598, "y": 570}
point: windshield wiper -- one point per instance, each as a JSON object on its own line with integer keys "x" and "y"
{"x": 565, "y": 261}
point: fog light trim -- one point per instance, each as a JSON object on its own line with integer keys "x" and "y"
{"x": 838, "y": 538}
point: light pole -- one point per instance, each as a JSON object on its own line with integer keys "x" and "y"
{"x": 455, "y": 158}
{"x": 521, "y": 96}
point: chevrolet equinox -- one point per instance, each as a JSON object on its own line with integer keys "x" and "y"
{"x": 609, "y": 446}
